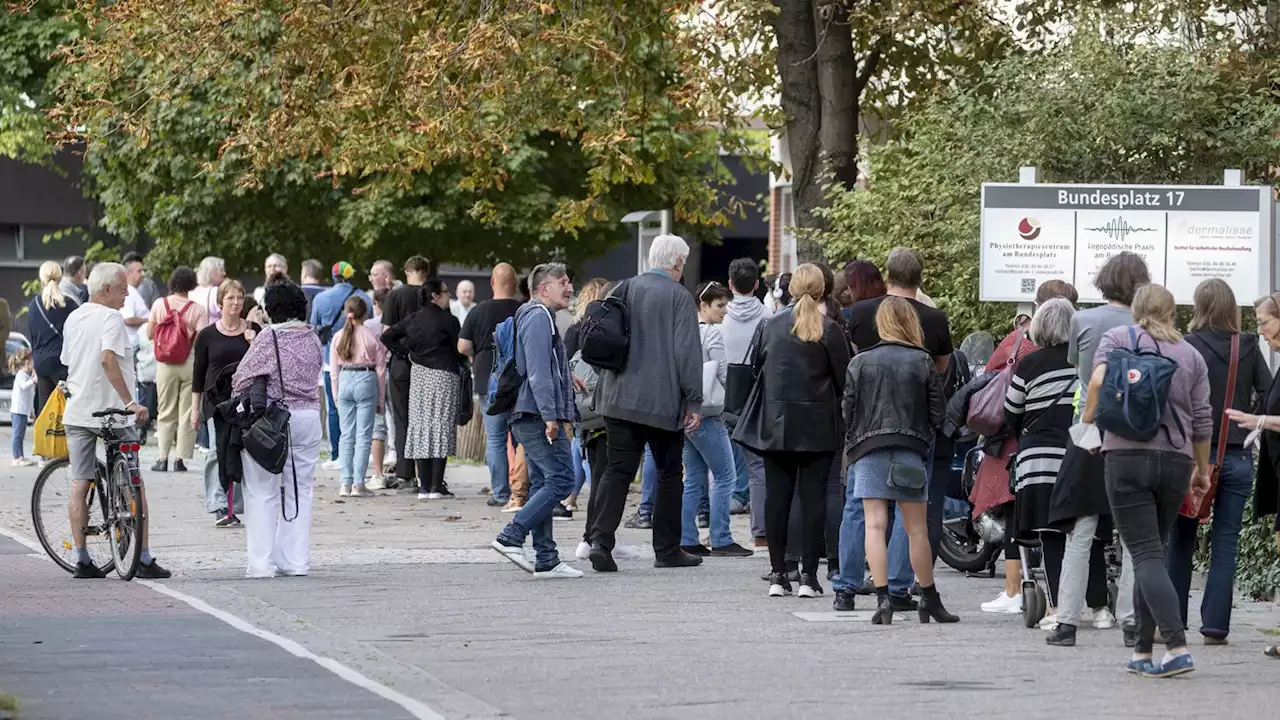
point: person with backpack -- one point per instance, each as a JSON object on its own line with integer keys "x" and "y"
{"x": 327, "y": 318}
{"x": 218, "y": 350}
{"x": 429, "y": 340}
{"x": 1149, "y": 395}
{"x": 46, "y": 315}
{"x": 593, "y": 290}
{"x": 175, "y": 321}
{"x": 537, "y": 379}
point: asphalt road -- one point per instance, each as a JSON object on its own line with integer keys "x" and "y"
{"x": 408, "y": 614}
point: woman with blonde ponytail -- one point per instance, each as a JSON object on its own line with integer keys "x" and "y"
{"x": 792, "y": 420}
{"x": 46, "y": 314}
{"x": 358, "y": 376}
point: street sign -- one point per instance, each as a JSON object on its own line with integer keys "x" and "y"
{"x": 1037, "y": 232}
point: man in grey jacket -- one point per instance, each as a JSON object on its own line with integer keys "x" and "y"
{"x": 743, "y": 316}
{"x": 653, "y": 400}
{"x": 540, "y": 423}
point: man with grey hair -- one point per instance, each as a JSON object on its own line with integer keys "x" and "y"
{"x": 100, "y": 377}
{"x": 653, "y": 400}
{"x": 74, "y": 270}
{"x": 276, "y": 265}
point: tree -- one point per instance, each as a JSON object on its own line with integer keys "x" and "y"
{"x": 1089, "y": 111}
{"x": 469, "y": 131}
{"x": 32, "y": 33}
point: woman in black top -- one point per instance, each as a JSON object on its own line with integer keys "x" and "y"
{"x": 218, "y": 350}
{"x": 429, "y": 339}
{"x": 1215, "y": 321}
{"x": 46, "y": 314}
{"x": 1038, "y": 409}
{"x": 792, "y": 420}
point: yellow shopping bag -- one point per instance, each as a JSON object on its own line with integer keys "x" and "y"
{"x": 51, "y": 436}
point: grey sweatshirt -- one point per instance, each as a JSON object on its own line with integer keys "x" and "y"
{"x": 740, "y": 321}
{"x": 663, "y": 375}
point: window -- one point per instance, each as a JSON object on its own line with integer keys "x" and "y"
{"x": 8, "y": 242}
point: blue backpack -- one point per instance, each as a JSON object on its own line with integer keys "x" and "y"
{"x": 1135, "y": 392}
{"x": 505, "y": 378}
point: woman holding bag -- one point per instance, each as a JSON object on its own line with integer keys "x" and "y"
{"x": 707, "y": 449}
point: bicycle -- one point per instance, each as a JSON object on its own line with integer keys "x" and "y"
{"x": 115, "y": 488}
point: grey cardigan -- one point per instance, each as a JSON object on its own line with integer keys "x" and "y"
{"x": 663, "y": 376}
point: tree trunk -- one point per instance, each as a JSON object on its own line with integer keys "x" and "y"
{"x": 794, "y": 26}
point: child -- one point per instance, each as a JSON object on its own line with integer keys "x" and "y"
{"x": 22, "y": 403}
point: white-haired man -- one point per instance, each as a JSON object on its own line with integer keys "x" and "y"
{"x": 466, "y": 300}
{"x": 100, "y": 377}
{"x": 276, "y": 264}
{"x": 652, "y": 401}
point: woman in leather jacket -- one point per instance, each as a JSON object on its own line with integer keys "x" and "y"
{"x": 893, "y": 406}
{"x": 792, "y": 420}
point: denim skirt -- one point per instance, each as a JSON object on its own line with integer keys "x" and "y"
{"x": 871, "y": 475}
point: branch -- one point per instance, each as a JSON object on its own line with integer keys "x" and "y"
{"x": 868, "y": 67}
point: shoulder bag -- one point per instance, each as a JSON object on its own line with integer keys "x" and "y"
{"x": 1199, "y": 507}
{"x": 986, "y": 406}
{"x": 267, "y": 438}
{"x": 741, "y": 376}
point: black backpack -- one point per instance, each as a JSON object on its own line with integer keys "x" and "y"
{"x": 605, "y": 335}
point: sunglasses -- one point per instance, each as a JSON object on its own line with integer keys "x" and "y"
{"x": 710, "y": 285}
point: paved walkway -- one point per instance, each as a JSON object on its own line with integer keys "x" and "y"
{"x": 406, "y": 594}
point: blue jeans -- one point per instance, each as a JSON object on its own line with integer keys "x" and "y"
{"x": 648, "y": 482}
{"x": 357, "y": 404}
{"x": 853, "y": 552}
{"x": 331, "y": 412}
{"x": 579, "y": 465}
{"x": 550, "y": 481}
{"x": 18, "y": 441}
{"x": 1235, "y": 482}
{"x": 742, "y": 489}
{"x": 495, "y": 451}
{"x": 707, "y": 449}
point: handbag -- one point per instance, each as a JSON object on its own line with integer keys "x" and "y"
{"x": 986, "y": 406}
{"x": 908, "y": 478}
{"x": 267, "y": 439}
{"x": 1198, "y": 507}
{"x": 740, "y": 377}
{"x": 466, "y": 394}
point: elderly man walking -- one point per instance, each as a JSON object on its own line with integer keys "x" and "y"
{"x": 653, "y": 400}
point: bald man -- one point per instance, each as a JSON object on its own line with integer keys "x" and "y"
{"x": 476, "y": 342}
{"x": 466, "y": 300}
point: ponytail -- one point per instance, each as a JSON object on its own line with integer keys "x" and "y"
{"x": 355, "y": 310}
{"x": 808, "y": 325}
{"x": 51, "y": 295}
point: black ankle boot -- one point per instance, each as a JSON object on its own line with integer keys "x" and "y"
{"x": 931, "y": 606}
{"x": 884, "y": 607}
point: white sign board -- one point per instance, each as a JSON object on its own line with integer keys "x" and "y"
{"x": 1033, "y": 232}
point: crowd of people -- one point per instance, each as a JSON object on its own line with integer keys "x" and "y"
{"x": 823, "y": 411}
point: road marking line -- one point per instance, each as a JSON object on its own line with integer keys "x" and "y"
{"x": 414, "y": 707}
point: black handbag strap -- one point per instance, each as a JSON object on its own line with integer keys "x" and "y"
{"x": 288, "y": 438}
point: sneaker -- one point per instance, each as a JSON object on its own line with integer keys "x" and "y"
{"x": 1103, "y": 619}
{"x": 680, "y": 559}
{"x": 1004, "y": 605}
{"x": 514, "y": 553}
{"x": 559, "y": 571}
{"x": 1140, "y": 667}
{"x": 1061, "y": 635}
{"x": 235, "y": 520}
{"x": 513, "y": 506}
{"x": 844, "y": 601}
{"x": 344, "y": 491}
{"x": 737, "y": 507}
{"x": 435, "y": 495}
{"x": 779, "y": 585}
{"x": 179, "y": 466}
{"x": 1049, "y": 622}
{"x": 494, "y": 502}
{"x": 626, "y": 552}
{"x": 1177, "y": 665}
{"x": 361, "y": 491}
{"x": 153, "y": 571}
{"x": 202, "y": 450}
{"x": 160, "y": 466}
{"x": 223, "y": 519}
{"x": 427, "y": 496}
{"x": 732, "y": 550}
{"x": 330, "y": 465}
{"x": 377, "y": 482}
{"x": 560, "y": 512}
{"x": 867, "y": 587}
{"x": 640, "y": 522}
{"x": 1214, "y": 640}
{"x": 602, "y": 559}
{"x": 1130, "y": 635}
{"x": 699, "y": 550}
{"x": 809, "y": 587}
{"x": 87, "y": 571}
{"x": 22, "y": 462}
{"x": 571, "y": 503}
{"x": 704, "y": 521}
{"x": 583, "y": 551}
{"x": 443, "y": 491}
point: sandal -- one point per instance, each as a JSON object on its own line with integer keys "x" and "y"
{"x": 1272, "y": 651}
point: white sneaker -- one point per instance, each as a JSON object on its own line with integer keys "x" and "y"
{"x": 626, "y": 552}
{"x": 377, "y": 482}
{"x": 559, "y": 571}
{"x": 361, "y": 491}
{"x": 433, "y": 495}
{"x": 345, "y": 491}
{"x": 330, "y": 465}
{"x": 514, "y": 554}
{"x": 1004, "y": 605}
{"x": 424, "y": 496}
{"x": 584, "y": 551}
{"x": 22, "y": 462}
{"x": 1049, "y": 622}
{"x": 1103, "y": 619}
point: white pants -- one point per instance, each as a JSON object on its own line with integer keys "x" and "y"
{"x": 272, "y": 543}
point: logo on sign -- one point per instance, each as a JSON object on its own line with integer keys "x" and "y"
{"x": 1134, "y": 376}
{"x": 1029, "y": 228}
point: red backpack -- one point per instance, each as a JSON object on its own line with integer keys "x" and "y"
{"x": 172, "y": 341}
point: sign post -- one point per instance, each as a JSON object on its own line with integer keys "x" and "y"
{"x": 1035, "y": 232}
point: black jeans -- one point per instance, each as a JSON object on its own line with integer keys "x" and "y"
{"x": 835, "y": 515}
{"x": 598, "y": 458}
{"x": 398, "y": 389}
{"x": 1146, "y": 488}
{"x": 1053, "y": 546}
{"x": 626, "y": 441}
{"x": 784, "y": 473}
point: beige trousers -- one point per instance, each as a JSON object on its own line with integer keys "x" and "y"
{"x": 173, "y": 421}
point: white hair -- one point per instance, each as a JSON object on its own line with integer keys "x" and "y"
{"x": 207, "y": 268}
{"x": 468, "y": 283}
{"x": 277, "y": 256}
{"x": 1051, "y": 325}
{"x": 667, "y": 252}
{"x": 105, "y": 276}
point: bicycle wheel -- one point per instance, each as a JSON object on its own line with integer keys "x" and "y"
{"x": 124, "y": 520}
{"x": 49, "y": 500}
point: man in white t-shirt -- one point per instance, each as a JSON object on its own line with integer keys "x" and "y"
{"x": 100, "y": 376}
{"x": 135, "y": 310}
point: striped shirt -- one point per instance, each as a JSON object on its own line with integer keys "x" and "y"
{"x": 1039, "y": 409}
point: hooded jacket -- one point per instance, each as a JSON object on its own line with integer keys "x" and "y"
{"x": 740, "y": 320}
{"x": 547, "y": 391}
{"x": 1253, "y": 378}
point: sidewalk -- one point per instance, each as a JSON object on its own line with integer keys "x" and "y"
{"x": 407, "y": 593}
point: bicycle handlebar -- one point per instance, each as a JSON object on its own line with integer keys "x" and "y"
{"x": 111, "y": 412}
